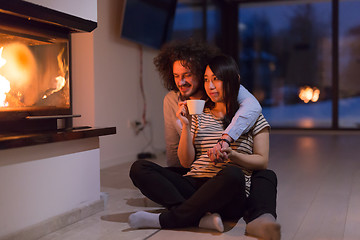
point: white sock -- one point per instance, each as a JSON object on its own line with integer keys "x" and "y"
{"x": 264, "y": 227}
{"x": 144, "y": 219}
{"x": 212, "y": 221}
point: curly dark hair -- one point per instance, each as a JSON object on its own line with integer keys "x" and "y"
{"x": 192, "y": 54}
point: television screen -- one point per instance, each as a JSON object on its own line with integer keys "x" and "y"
{"x": 148, "y": 22}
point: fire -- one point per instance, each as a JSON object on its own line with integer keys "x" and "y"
{"x": 2, "y": 60}
{"x": 308, "y": 94}
{"x": 29, "y": 72}
{"x": 60, "y": 83}
{"x": 4, "y": 83}
{"x": 59, "y": 80}
{"x": 20, "y": 65}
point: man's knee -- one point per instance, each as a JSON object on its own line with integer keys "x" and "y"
{"x": 233, "y": 174}
{"x": 267, "y": 174}
{"x": 137, "y": 168}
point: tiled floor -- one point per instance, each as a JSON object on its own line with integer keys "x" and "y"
{"x": 318, "y": 195}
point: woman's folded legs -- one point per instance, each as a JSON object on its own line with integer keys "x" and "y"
{"x": 223, "y": 194}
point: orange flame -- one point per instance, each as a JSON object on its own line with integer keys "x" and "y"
{"x": 2, "y": 60}
{"x": 4, "y": 83}
{"x": 308, "y": 94}
{"x": 60, "y": 80}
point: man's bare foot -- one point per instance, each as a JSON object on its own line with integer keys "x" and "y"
{"x": 264, "y": 227}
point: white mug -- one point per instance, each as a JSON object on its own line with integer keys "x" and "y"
{"x": 195, "y": 106}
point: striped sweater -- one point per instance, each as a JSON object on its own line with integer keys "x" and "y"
{"x": 207, "y": 129}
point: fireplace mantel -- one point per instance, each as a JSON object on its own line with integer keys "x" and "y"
{"x": 14, "y": 140}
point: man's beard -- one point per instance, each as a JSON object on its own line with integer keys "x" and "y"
{"x": 192, "y": 93}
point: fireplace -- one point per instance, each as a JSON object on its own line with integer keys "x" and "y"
{"x": 35, "y": 76}
{"x": 35, "y": 67}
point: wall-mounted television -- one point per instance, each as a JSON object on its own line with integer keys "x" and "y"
{"x": 148, "y": 22}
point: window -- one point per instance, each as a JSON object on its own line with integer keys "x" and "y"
{"x": 213, "y": 23}
{"x": 285, "y": 51}
{"x": 188, "y": 21}
{"x": 349, "y": 64}
{"x": 285, "y": 60}
{"x": 199, "y": 19}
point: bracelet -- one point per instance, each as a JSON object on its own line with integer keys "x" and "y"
{"x": 224, "y": 140}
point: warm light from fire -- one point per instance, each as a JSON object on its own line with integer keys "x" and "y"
{"x": 60, "y": 83}
{"x": 20, "y": 65}
{"x": 2, "y": 60}
{"x": 60, "y": 80}
{"x": 27, "y": 72}
{"x": 4, "y": 83}
{"x": 308, "y": 94}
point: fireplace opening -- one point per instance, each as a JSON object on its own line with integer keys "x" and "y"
{"x": 34, "y": 73}
{"x": 35, "y": 76}
{"x": 35, "y": 67}
{"x": 34, "y": 80}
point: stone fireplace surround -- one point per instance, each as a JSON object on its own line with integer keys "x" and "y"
{"x": 49, "y": 179}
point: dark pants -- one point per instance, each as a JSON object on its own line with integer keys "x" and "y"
{"x": 188, "y": 199}
{"x": 179, "y": 170}
{"x": 263, "y": 193}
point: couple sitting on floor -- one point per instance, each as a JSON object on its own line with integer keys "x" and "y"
{"x": 223, "y": 174}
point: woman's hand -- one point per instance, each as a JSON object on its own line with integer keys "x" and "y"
{"x": 219, "y": 154}
{"x": 183, "y": 113}
{"x": 227, "y": 151}
{"x": 186, "y": 150}
{"x": 260, "y": 156}
{"x": 216, "y": 155}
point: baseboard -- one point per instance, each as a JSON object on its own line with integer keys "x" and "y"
{"x": 57, "y": 222}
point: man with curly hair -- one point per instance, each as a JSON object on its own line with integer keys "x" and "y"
{"x": 181, "y": 66}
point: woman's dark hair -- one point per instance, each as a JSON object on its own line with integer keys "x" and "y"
{"x": 225, "y": 68}
{"x": 192, "y": 54}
